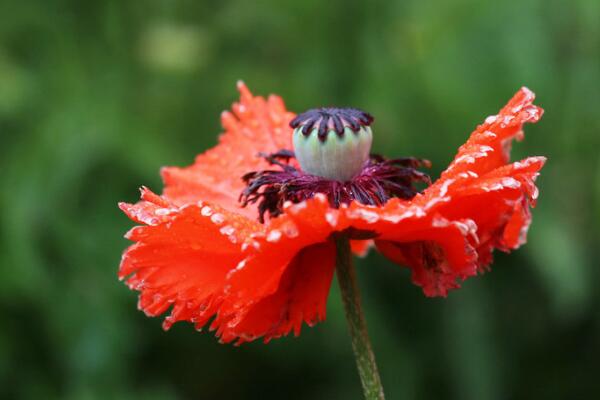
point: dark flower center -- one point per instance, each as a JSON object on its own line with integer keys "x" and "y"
{"x": 379, "y": 181}
{"x": 332, "y": 147}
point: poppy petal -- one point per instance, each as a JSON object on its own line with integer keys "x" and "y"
{"x": 151, "y": 210}
{"x": 270, "y": 252}
{"x": 273, "y": 255}
{"x": 301, "y": 297}
{"x": 182, "y": 256}
{"x": 489, "y": 145}
{"x": 255, "y": 125}
{"x": 480, "y": 200}
{"x": 481, "y": 186}
{"x": 499, "y": 204}
{"x": 431, "y": 269}
{"x": 439, "y": 251}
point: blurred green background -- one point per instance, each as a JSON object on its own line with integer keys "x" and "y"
{"x": 95, "y": 96}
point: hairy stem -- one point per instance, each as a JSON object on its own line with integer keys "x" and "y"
{"x": 363, "y": 353}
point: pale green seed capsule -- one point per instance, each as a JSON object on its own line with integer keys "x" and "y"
{"x": 337, "y": 157}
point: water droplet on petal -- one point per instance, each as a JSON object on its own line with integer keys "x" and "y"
{"x": 206, "y": 211}
{"x": 217, "y": 218}
{"x": 274, "y": 236}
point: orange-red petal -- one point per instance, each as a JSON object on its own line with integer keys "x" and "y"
{"x": 489, "y": 145}
{"x": 409, "y": 235}
{"x": 300, "y": 297}
{"x": 254, "y": 125}
{"x": 182, "y": 256}
{"x": 479, "y": 190}
{"x": 270, "y": 252}
{"x": 296, "y": 245}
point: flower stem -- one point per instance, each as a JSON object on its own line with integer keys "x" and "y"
{"x": 363, "y": 353}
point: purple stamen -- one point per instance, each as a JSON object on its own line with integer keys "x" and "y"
{"x": 379, "y": 181}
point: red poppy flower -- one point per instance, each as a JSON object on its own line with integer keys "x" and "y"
{"x": 206, "y": 255}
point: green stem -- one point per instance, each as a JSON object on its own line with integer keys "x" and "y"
{"x": 363, "y": 353}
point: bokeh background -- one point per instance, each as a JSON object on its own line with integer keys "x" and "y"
{"x": 96, "y": 95}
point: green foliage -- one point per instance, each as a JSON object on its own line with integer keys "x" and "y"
{"x": 95, "y": 96}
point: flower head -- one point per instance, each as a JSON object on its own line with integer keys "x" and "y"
{"x": 243, "y": 238}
